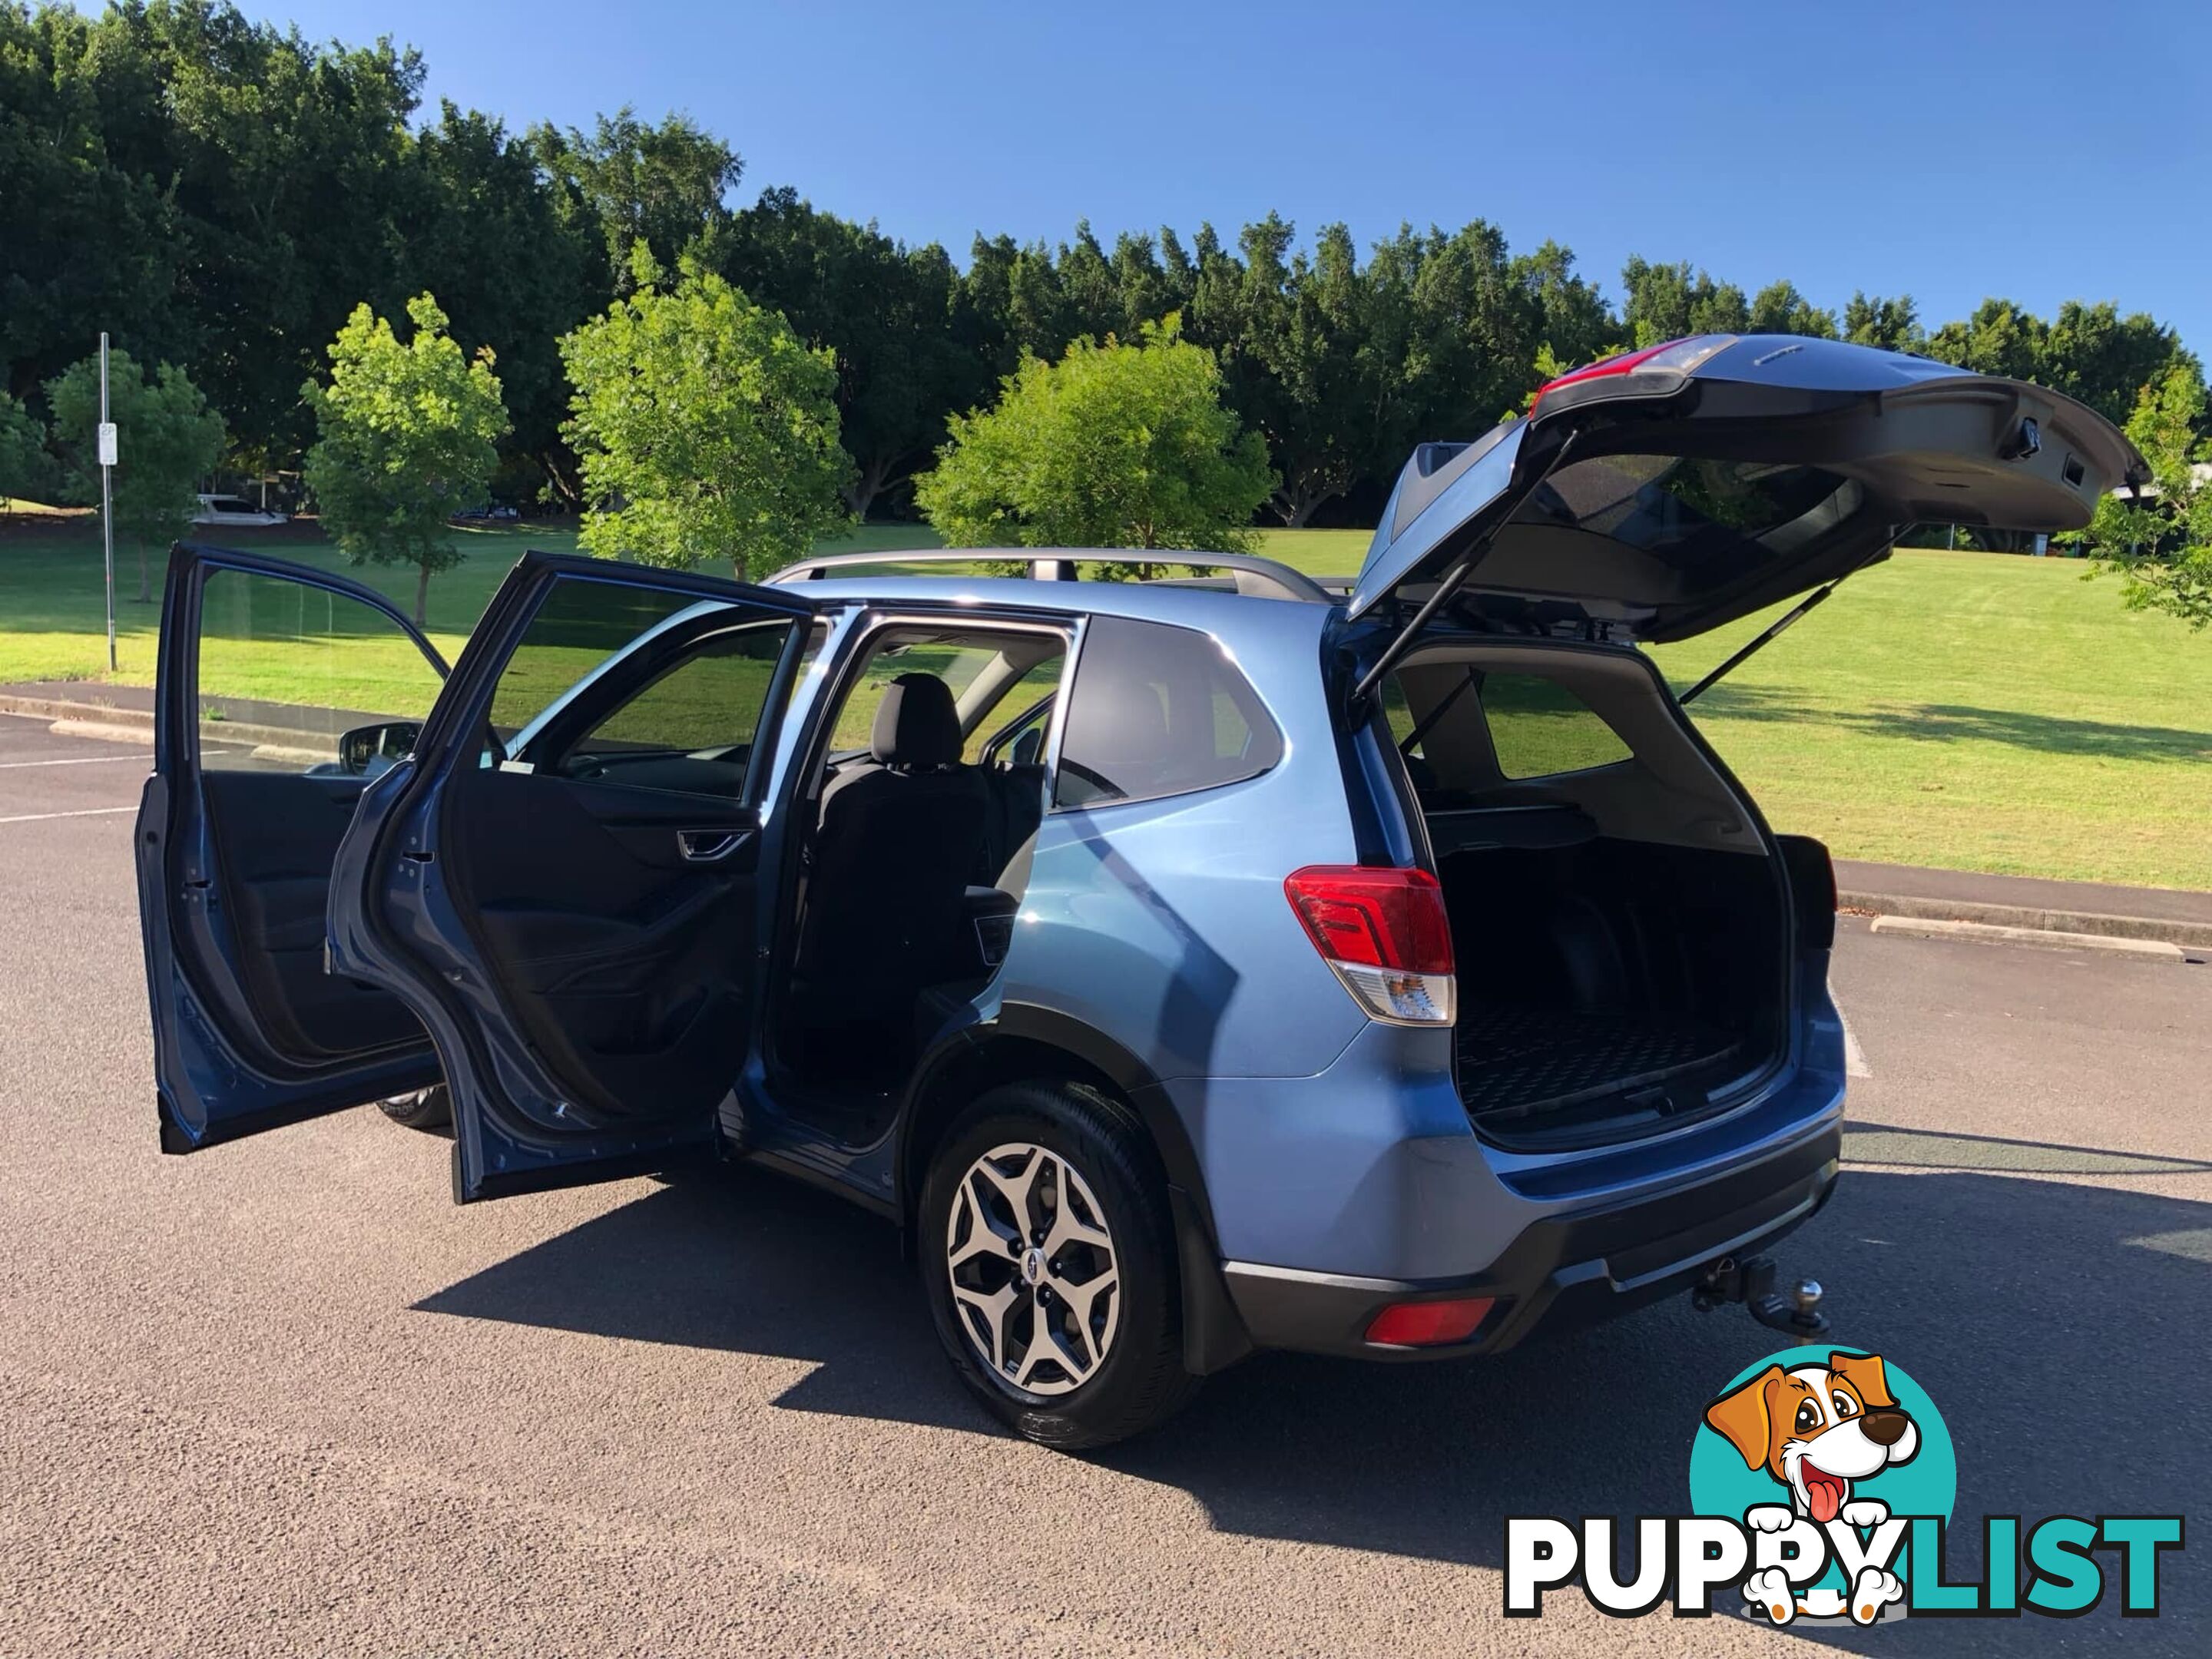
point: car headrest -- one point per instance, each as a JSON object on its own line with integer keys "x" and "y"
{"x": 916, "y": 724}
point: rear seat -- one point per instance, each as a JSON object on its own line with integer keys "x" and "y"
{"x": 1016, "y": 807}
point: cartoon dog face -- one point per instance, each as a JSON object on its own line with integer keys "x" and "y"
{"x": 1818, "y": 1428}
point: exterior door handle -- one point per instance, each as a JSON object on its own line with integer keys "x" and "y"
{"x": 709, "y": 846}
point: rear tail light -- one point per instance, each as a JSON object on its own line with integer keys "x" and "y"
{"x": 1429, "y": 1324}
{"x": 1385, "y": 933}
{"x": 1679, "y": 355}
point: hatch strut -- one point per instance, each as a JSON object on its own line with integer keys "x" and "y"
{"x": 1472, "y": 683}
{"x": 1787, "y": 619}
{"x": 1455, "y": 578}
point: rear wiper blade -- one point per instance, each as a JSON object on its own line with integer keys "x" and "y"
{"x": 1788, "y": 619}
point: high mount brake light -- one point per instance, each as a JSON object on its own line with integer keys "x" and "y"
{"x": 1385, "y": 933}
{"x": 1680, "y": 355}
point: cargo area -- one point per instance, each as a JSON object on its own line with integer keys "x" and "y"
{"x": 1609, "y": 987}
{"x": 1619, "y": 926}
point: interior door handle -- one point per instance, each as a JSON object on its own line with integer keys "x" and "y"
{"x": 709, "y": 846}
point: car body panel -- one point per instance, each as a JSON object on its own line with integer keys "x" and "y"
{"x": 234, "y": 513}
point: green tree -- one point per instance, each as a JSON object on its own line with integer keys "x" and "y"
{"x": 25, "y": 469}
{"x": 1298, "y": 363}
{"x": 2160, "y": 546}
{"x": 2000, "y": 337}
{"x": 1892, "y": 325}
{"x": 1113, "y": 446}
{"x": 1577, "y": 325}
{"x": 885, "y": 312}
{"x": 1667, "y": 302}
{"x": 89, "y": 233}
{"x": 289, "y": 163}
{"x": 407, "y": 434}
{"x": 511, "y": 271}
{"x": 166, "y": 438}
{"x": 1780, "y": 308}
{"x": 2104, "y": 359}
{"x": 706, "y": 428}
{"x": 667, "y": 186}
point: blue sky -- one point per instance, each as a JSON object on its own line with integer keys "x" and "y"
{"x": 2041, "y": 151}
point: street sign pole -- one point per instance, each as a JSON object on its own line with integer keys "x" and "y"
{"x": 107, "y": 497}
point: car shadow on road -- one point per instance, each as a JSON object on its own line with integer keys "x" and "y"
{"x": 2058, "y": 1326}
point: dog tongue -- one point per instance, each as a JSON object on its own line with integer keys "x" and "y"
{"x": 1823, "y": 1495}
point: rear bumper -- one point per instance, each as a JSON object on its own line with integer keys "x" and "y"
{"x": 1570, "y": 1268}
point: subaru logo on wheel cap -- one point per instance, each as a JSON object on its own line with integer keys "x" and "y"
{"x": 1032, "y": 1265}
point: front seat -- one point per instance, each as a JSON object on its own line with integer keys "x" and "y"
{"x": 899, "y": 838}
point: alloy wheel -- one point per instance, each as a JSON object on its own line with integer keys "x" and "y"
{"x": 1036, "y": 1281}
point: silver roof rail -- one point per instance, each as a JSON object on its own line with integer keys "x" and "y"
{"x": 1267, "y": 579}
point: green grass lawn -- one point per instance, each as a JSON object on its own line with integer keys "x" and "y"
{"x": 1977, "y": 711}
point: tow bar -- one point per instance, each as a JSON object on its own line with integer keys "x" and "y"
{"x": 1751, "y": 1281}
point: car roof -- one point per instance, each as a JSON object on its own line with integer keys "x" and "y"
{"x": 1189, "y": 604}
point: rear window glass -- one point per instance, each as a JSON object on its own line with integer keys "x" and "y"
{"x": 1690, "y": 511}
{"x": 1159, "y": 711}
{"x": 1538, "y": 727}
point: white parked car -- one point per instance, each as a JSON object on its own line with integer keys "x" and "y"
{"x": 235, "y": 510}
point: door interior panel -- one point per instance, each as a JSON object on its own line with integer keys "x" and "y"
{"x": 625, "y": 961}
{"x": 275, "y": 835}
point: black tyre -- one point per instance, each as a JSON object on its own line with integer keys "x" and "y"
{"x": 430, "y": 1110}
{"x": 1049, "y": 1259}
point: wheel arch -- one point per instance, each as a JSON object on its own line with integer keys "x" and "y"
{"x": 1031, "y": 1043}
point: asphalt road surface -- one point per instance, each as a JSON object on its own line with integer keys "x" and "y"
{"x": 283, "y": 1397}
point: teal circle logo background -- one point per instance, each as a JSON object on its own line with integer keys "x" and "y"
{"x": 1928, "y": 1485}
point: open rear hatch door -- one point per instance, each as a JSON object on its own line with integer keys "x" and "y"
{"x": 1668, "y": 491}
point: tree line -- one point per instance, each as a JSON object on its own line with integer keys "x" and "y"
{"x": 220, "y": 194}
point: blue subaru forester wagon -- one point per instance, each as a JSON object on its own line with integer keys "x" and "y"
{"x": 1189, "y": 967}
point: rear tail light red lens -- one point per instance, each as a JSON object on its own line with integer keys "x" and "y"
{"x": 1429, "y": 1324}
{"x": 1385, "y": 933}
{"x": 1681, "y": 356}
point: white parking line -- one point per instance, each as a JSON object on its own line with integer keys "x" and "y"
{"x": 1855, "y": 1060}
{"x": 78, "y": 760}
{"x": 82, "y": 812}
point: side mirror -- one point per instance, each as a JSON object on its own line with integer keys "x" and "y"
{"x": 368, "y": 749}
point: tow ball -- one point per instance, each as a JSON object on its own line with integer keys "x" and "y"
{"x": 1751, "y": 1281}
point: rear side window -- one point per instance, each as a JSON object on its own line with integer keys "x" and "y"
{"x": 614, "y": 683}
{"x": 1538, "y": 727}
{"x": 1159, "y": 711}
{"x": 711, "y": 699}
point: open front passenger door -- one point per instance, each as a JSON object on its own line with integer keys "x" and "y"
{"x": 566, "y": 886}
{"x": 281, "y": 694}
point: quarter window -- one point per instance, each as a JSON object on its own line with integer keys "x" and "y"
{"x": 1538, "y": 727}
{"x": 1158, "y": 711}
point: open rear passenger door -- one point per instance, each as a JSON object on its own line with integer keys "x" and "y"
{"x": 281, "y": 694}
{"x": 567, "y": 885}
